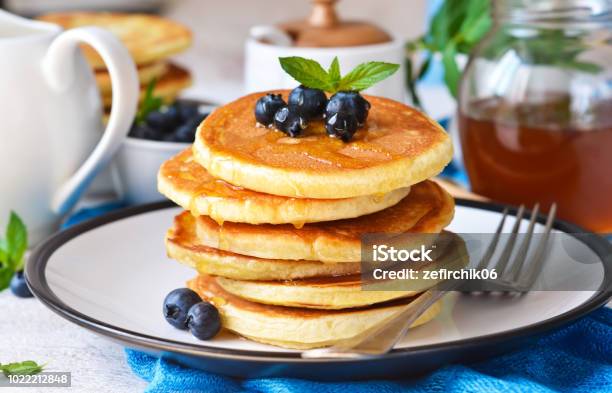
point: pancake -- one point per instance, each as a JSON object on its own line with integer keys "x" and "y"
{"x": 168, "y": 87}
{"x": 146, "y": 73}
{"x": 190, "y": 186}
{"x": 298, "y": 328}
{"x": 320, "y": 293}
{"x": 398, "y": 147}
{"x": 349, "y": 291}
{"x": 427, "y": 209}
{"x": 183, "y": 246}
{"x": 148, "y": 38}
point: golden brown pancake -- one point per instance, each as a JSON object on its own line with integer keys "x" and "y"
{"x": 168, "y": 87}
{"x": 398, "y": 147}
{"x": 183, "y": 246}
{"x": 427, "y": 209}
{"x": 146, "y": 73}
{"x": 148, "y": 38}
{"x": 352, "y": 290}
{"x": 190, "y": 186}
{"x": 299, "y": 328}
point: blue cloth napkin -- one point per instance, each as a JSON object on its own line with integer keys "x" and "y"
{"x": 576, "y": 358}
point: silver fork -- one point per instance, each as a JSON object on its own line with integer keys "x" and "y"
{"x": 383, "y": 337}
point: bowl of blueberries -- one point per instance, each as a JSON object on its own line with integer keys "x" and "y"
{"x": 155, "y": 136}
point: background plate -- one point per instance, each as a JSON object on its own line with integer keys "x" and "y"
{"x": 111, "y": 275}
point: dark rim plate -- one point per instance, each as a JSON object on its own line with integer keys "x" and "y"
{"x": 36, "y": 278}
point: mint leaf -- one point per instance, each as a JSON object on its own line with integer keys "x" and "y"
{"x": 149, "y": 104}
{"x": 306, "y": 71}
{"x": 6, "y": 273}
{"x": 366, "y": 75}
{"x": 4, "y": 256}
{"x": 28, "y": 367}
{"x": 334, "y": 73}
{"x": 452, "y": 74}
{"x": 12, "y": 249}
{"x": 16, "y": 241}
{"x": 310, "y": 74}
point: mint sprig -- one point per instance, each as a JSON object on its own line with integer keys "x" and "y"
{"x": 150, "y": 103}
{"x": 311, "y": 74}
{"x": 12, "y": 249}
{"x": 27, "y": 367}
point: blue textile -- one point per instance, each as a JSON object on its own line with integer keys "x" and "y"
{"x": 577, "y": 358}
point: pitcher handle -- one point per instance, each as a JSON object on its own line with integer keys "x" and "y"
{"x": 58, "y": 68}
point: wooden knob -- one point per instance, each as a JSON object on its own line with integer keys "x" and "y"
{"x": 323, "y": 13}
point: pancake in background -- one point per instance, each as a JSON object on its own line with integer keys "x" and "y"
{"x": 350, "y": 291}
{"x": 168, "y": 87}
{"x": 298, "y": 328}
{"x": 190, "y": 186}
{"x": 146, "y": 73}
{"x": 426, "y": 209}
{"x": 398, "y": 147}
{"x": 148, "y": 38}
{"x": 183, "y": 246}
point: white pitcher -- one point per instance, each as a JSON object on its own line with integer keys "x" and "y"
{"x": 51, "y": 140}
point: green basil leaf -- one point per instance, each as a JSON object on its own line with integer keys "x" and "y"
{"x": 452, "y": 74}
{"x": 306, "y": 71}
{"x": 366, "y": 75}
{"x": 334, "y": 74}
{"x": 16, "y": 240}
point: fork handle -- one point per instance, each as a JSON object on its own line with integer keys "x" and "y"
{"x": 385, "y": 339}
{"x": 382, "y": 338}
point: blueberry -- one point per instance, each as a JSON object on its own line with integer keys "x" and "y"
{"x": 19, "y": 286}
{"x": 203, "y": 321}
{"x": 266, "y": 107}
{"x": 289, "y": 122}
{"x": 308, "y": 103}
{"x": 197, "y": 119}
{"x": 164, "y": 120}
{"x": 177, "y": 304}
{"x": 187, "y": 110}
{"x": 341, "y": 125}
{"x": 350, "y": 102}
{"x": 185, "y": 133}
{"x": 144, "y": 131}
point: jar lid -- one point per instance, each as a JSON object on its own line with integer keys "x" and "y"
{"x": 323, "y": 28}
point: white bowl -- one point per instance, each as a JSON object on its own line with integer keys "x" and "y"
{"x": 138, "y": 161}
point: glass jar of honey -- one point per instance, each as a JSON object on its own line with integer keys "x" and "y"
{"x": 535, "y": 109}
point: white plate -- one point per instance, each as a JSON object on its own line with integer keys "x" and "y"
{"x": 111, "y": 275}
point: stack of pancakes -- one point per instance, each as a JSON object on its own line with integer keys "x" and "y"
{"x": 273, "y": 224}
{"x": 149, "y": 39}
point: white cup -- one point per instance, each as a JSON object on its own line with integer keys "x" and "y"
{"x": 263, "y": 70}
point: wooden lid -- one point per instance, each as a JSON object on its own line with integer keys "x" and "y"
{"x": 323, "y": 28}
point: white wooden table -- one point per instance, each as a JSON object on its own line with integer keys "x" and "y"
{"x": 30, "y": 331}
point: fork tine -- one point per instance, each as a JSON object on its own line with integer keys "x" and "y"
{"x": 500, "y": 266}
{"x": 519, "y": 260}
{"x": 537, "y": 261}
{"x": 491, "y": 249}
